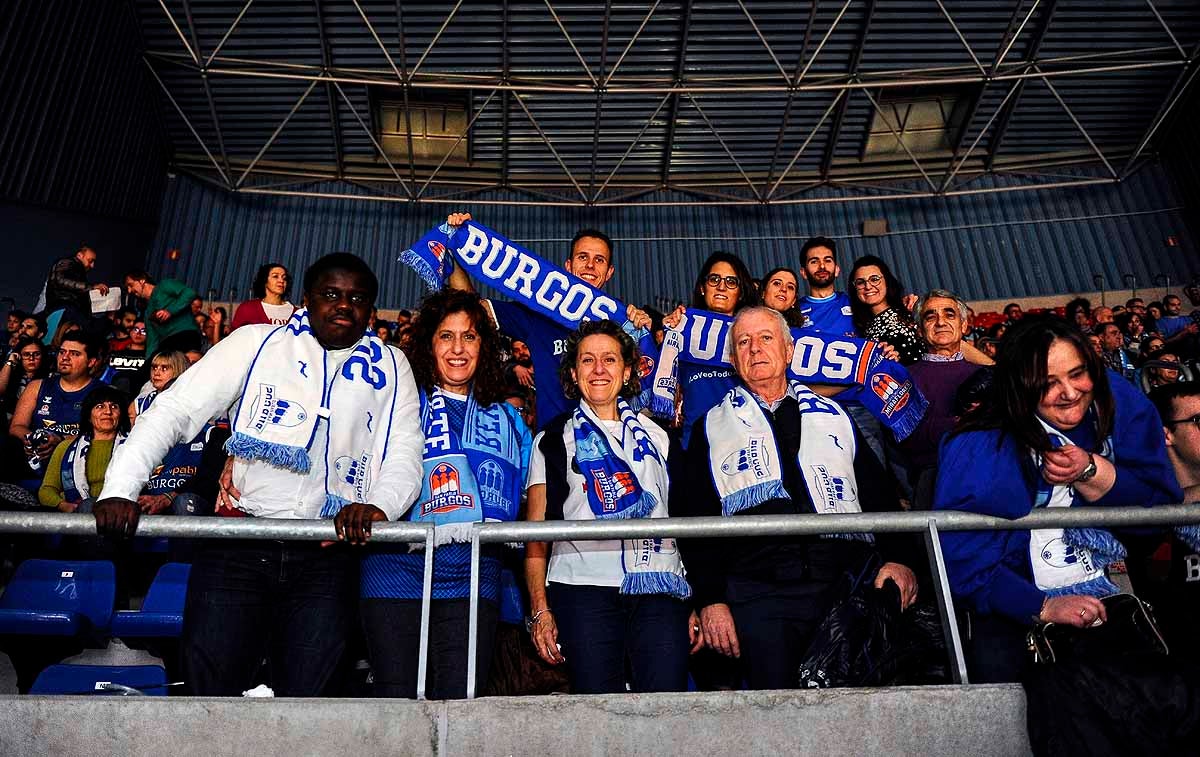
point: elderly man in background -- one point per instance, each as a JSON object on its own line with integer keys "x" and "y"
{"x": 763, "y": 599}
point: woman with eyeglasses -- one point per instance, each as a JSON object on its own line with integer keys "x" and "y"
{"x": 76, "y": 469}
{"x": 877, "y": 305}
{"x": 25, "y": 363}
{"x": 270, "y": 304}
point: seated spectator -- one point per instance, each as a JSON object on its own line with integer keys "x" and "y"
{"x": 75, "y": 473}
{"x": 129, "y": 362}
{"x": 1079, "y": 312}
{"x": 1113, "y": 352}
{"x": 1151, "y": 344}
{"x": 523, "y": 401}
{"x": 26, "y": 363}
{"x": 781, "y": 291}
{"x": 122, "y": 323}
{"x": 604, "y": 607}
{"x": 1095, "y": 345}
{"x": 942, "y": 318}
{"x": 1101, "y": 314}
{"x": 218, "y": 326}
{"x": 763, "y": 599}
{"x": 880, "y": 313}
{"x": 1154, "y": 313}
{"x": 1063, "y": 431}
{"x": 13, "y": 329}
{"x": 1162, "y": 368}
{"x": 1172, "y": 321}
{"x": 383, "y": 330}
{"x": 474, "y": 437}
{"x": 270, "y": 292}
{"x": 165, "y": 367}
{"x": 1013, "y": 312}
{"x": 48, "y": 409}
{"x": 170, "y": 321}
{"x": 996, "y": 332}
{"x": 34, "y": 326}
{"x": 1130, "y": 324}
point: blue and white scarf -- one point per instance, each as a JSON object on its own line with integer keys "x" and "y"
{"x": 882, "y": 386}
{"x": 1071, "y": 560}
{"x": 626, "y": 477}
{"x": 467, "y": 479}
{"x": 528, "y": 279}
{"x": 747, "y": 467}
{"x": 74, "y": 468}
{"x": 292, "y": 383}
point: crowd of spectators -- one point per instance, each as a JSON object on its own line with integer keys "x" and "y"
{"x": 477, "y": 400}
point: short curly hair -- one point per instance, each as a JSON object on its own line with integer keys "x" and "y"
{"x": 102, "y": 393}
{"x": 488, "y": 385}
{"x": 629, "y": 354}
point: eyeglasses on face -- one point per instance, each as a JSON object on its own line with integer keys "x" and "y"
{"x": 1195, "y": 419}
{"x": 138, "y": 330}
{"x": 874, "y": 280}
{"x": 31, "y": 355}
{"x": 714, "y": 280}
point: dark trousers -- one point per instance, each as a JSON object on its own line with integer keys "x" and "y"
{"x": 393, "y": 631}
{"x": 286, "y": 601}
{"x": 601, "y": 629}
{"x": 775, "y": 628}
{"x": 996, "y": 652}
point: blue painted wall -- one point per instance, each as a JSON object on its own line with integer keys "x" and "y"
{"x": 1009, "y": 244}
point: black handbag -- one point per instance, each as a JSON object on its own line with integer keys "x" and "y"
{"x": 1130, "y": 630}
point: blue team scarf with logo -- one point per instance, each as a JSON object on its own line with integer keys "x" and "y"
{"x": 883, "y": 386}
{"x": 74, "y": 468}
{"x": 467, "y": 478}
{"x": 613, "y": 490}
{"x": 292, "y": 382}
{"x": 528, "y": 279}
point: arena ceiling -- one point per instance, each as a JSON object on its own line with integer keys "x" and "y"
{"x": 607, "y": 103}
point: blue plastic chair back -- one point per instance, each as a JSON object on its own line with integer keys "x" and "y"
{"x": 161, "y": 615}
{"x": 90, "y": 679}
{"x": 59, "y": 598}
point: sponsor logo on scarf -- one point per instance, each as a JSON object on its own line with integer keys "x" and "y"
{"x": 356, "y": 472}
{"x": 893, "y": 394}
{"x": 270, "y": 409}
{"x": 445, "y": 488}
{"x": 754, "y": 457}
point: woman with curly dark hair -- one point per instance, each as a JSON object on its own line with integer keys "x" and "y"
{"x": 474, "y": 463}
{"x": 613, "y": 601}
{"x": 878, "y": 309}
{"x": 269, "y": 303}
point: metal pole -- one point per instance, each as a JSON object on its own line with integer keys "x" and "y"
{"x": 473, "y": 619}
{"x": 941, "y": 586}
{"x": 426, "y": 610}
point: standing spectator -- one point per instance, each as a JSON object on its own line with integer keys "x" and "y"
{"x": 270, "y": 304}
{"x": 34, "y": 326}
{"x": 519, "y": 371}
{"x": 48, "y": 410}
{"x": 67, "y": 287}
{"x": 879, "y": 310}
{"x": 336, "y": 395}
{"x": 824, "y": 308}
{"x": 1013, "y": 312}
{"x": 939, "y": 374}
{"x": 123, "y": 321}
{"x": 781, "y": 291}
{"x": 1112, "y": 346}
{"x": 604, "y": 607}
{"x": 170, "y": 322}
{"x": 26, "y": 363}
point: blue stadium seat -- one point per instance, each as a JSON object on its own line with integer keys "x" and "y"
{"x": 58, "y": 598}
{"x": 92, "y": 679}
{"x": 161, "y": 615}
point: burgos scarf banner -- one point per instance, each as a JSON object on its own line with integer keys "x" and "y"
{"x": 527, "y": 278}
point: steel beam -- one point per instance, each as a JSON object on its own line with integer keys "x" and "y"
{"x": 371, "y": 135}
{"x": 242, "y": 179}
{"x": 188, "y": 123}
{"x": 829, "y": 33}
{"x": 208, "y": 61}
{"x": 406, "y": 80}
{"x": 1182, "y": 84}
{"x": 1035, "y": 47}
{"x": 633, "y": 144}
{"x": 567, "y": 35}
{"x": 737, "y": 163}
{"x": 685, "y": 28}
{"x": 835, "y": 130}
{"x": 537, "y": 127}
{"x": 837, "y": 102}
{"x": 974, "y": 58}
{"x": 433, "y": 42}
{"x": 335, "y": 124}
{"x": 1182, "y": 53}
{"x": 600, "y": 95}
{"x": 1087, "y": 137}
{"x": 791, "y": 98}
{"x": 763, "y": 40}
{"x": 899, "y": 139}
{"x": 208, "y": 96}
{"x": 453, "y": 147}
{"x": 632, "y": 40}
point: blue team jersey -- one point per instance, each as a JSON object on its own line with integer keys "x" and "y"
{"x": 830, "y": 314}
{"x": 703, "y": 387}
{"x": 547, "y": 342}
{"x": 1170, "y": 325}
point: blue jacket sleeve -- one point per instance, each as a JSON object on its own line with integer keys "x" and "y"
{"x": 980, "y": 472}
{"x": 1145, "y": 475}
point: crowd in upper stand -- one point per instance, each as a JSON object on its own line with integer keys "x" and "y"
{"x": 467, "y": 409}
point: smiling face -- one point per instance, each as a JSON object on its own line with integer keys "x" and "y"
{"x": 761, "y": 352}
{"x": 721, "y": 288}
{"x": 456, "y": 352}
{"x": 339, "y": 307}
{"x": 781, "y": 291}
{"x": 600, "y": 371}
{"x": 870, "y": 286}
{"x": 942, "y": 324}
{"x": 1068, "y": 393}
{"x": 591, "y": 260}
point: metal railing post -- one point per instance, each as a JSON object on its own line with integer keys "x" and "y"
{"x": 941, "y": 586}
{"x": 473, "y": 620}
{"x": 426, "y": 607}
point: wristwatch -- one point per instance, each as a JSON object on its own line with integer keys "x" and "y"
{"x": 1090, "y": 471}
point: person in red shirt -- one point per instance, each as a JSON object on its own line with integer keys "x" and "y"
{"x": 270, "y": 304}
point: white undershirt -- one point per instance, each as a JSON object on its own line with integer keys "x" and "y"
{"x": 278, "y": 314}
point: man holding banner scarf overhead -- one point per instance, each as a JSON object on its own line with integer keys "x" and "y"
{"x": 549, "y": 302}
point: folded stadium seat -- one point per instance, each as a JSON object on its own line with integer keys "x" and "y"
{"x": 118, "y": 680}
{"x": 161, "y": 615}
{"x": 58, "y": 598}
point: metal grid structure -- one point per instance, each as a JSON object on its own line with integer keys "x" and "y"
{"x": 713, "y": 103}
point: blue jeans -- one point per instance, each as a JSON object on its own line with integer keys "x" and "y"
{"x": 600, "y": 629}
{"x": 289, "y": 602}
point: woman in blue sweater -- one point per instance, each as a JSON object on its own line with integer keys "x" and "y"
{"x": 1060, "y": 431}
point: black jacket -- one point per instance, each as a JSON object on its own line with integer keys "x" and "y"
{"x": 67, "y": 287}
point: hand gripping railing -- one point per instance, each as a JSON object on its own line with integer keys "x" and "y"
{"x": 928, "y": 523}
{"x": 246, "y": 528}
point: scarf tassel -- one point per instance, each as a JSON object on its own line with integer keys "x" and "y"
{"x": 642, "y": 509}
{"x": 1104, "y": 546}
{"x": 906, "y": 422}
{"x": 333, "y": 505}
{"x": 422, "y": 268}
{"x": 744, "y": 499}
{"x": 659, "y": 582}
{"x": 280, "y": 455}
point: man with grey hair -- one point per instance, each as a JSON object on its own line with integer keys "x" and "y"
{"x": 762, "y": 600}
{"x": 942, "y": 321}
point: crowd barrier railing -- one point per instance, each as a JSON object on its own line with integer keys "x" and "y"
{"x": 930, "y": 524}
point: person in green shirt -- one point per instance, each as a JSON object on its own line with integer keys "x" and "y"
{"x": 75, "y": 473}
{"x": 170, "y": 324}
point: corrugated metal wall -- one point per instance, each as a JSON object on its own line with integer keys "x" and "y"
{"x": 1008, "y": 244}
{"x": 80, "y": 128}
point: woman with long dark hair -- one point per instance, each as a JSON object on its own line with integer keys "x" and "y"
{"x": 1059, "y": 430}
{"x": 269, "y": 292}
{"x": 474, "y": 463}
{"x": 781, "y": 291}
{"x": 878, "y": 309}
{"x": 25, "y": 363}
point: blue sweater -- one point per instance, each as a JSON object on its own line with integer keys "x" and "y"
{"x": 988, "y": 472}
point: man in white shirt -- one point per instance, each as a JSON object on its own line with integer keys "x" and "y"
{"x": 286, "y": 601}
